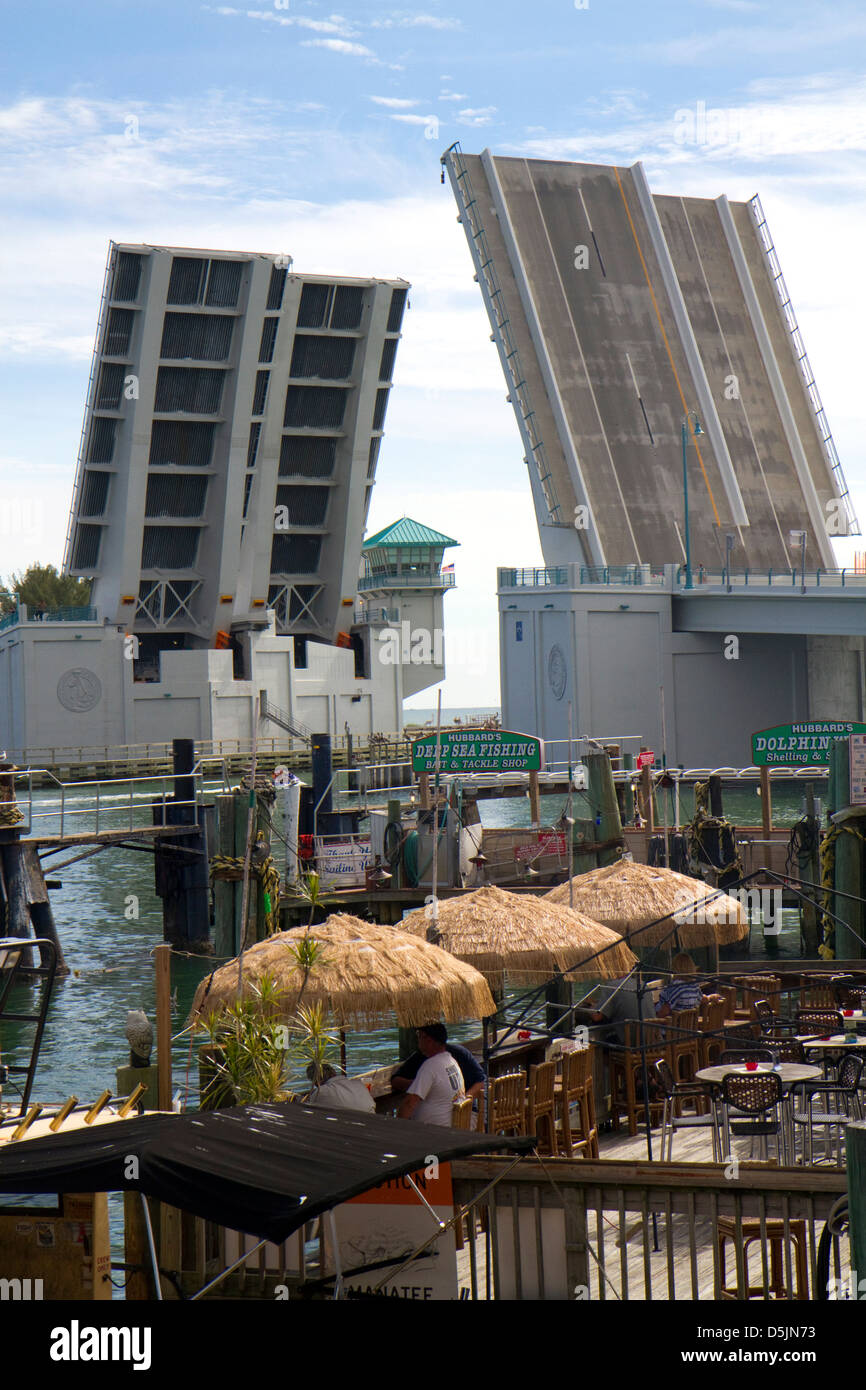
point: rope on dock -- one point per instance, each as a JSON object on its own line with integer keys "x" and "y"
{"x": 226, "y": 867}
{"x": 827, "y": 948}
{"x": 10, "y": 815}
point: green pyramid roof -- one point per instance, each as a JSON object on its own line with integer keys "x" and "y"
{"x": 407, "y": 532}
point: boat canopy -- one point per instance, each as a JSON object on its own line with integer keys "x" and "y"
{"x": 261, "y": 1169}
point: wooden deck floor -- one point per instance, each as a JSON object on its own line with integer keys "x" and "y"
{"x": 662, "y": 1255}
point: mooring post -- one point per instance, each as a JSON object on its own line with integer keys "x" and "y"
{"x": 534, "y": 800}
{"x": 13, "y": 877}
{"x": 808, "y": 864}
{"x": 766, "y": 804}
{"x": 849, "y": 856}
{"x": 162, "y": 959}
{"x": 628, "y": 789}
{"x": 182, "y": 880}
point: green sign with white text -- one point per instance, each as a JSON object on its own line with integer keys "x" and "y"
{"x": 477, "y": 750}
{"x": 807, "y": 744}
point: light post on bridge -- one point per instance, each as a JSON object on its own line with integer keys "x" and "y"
{"x": 696, "y": 430}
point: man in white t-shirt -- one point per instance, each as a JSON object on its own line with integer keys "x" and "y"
{"x": 438, "y": 1084}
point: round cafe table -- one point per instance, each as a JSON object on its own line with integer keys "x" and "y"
{"x": 838, "y": 1042}
{"x": 789, "y": 1073}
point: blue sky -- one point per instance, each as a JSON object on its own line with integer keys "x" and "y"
{"x": 294, "y": 127}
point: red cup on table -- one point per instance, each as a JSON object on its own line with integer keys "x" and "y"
{"x": 751, "y": 1066}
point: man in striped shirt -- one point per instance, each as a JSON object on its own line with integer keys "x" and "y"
{"x": 684, "y": 990}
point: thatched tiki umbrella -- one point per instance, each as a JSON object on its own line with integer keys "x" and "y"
{"x": 628, "y": 897}
{"x": 364, "y": 976}
{"x": 528, "y": 938}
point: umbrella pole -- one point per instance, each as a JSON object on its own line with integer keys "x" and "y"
{"x": 434, "y": 877}
{"x": 641, "y": 993}
{"x": 485, "y": 1053}
{"x": 570, "y": 817}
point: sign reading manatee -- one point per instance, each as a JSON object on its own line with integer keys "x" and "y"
{"x": 477, "y": 750}
{"x": 807, "y": 744}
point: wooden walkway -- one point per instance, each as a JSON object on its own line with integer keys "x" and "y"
{"x": 658, "y": 1253}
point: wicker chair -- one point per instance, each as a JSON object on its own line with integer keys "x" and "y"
{"x": 763, "y": 1015}
{"x": 819, "y": 1023}
{"x": 754, "y": 987}
{"x": 575, "y": 1089}
{"x": 746, "y": 1054}
{"x": 626, "y": 1071}
{"x": 842, "y": 1093}
{"x": 461, "y": 1114}
{"x": 541, "y": 1106}
{"x": 685, "y": 1045}
{"x": 712, "y": 1018}
{"x": 817, "y": 992}
{"x": 704, "y": 1116}
{"x": 756, "y": 1099}
{"x": 506, "y": 1113}
{"x": 785, "y": 1049}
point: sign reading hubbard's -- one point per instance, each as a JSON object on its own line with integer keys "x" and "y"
{"x": 477, "y": 750}
{"x": 808, "y": 744}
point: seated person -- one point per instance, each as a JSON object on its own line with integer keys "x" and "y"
{"x": 470, "y": 1067}
{"x": 683, "y": 991}
{"x": 338, "y": 1092}
{"x": 439, "y": 1083}
{"x": 620, "y": 1004}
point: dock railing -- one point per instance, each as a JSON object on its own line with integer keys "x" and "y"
{"x": 63, "y": 809}
{"x": 614, "y": 1231}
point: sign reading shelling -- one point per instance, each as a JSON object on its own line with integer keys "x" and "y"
{"x": 477, "y": 750}
{"x": 807, "y": 744}
{"x": 857, "y": 769}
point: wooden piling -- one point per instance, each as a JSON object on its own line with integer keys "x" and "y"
{"x": 534, "y": 800}
{"x": 766, "y": 803}
{"x": 628, "y": 790}
{"x": 645, "y": 798}
{"x": 848, "y": 866}
{"x": 224, "y": 890}
{"x": 162, "y": 960}
{"x": 602, "y": 795}
{"x": 808, "y": 863}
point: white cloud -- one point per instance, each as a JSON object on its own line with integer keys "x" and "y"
{"x": 397, "y": 103}
{"x": 353, "y": 50}
{"x": 416, "y": 21}
{"x": 743, "y": 41}
{"x": 453, "y": 96}
{"x": 334, "y": 25}
{"x": 482, "y": 115}
{"x": 415, "y": 119}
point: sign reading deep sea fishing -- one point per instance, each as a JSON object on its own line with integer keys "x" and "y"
{"x": 807, "y": 744}
{"x": 477, "y": 750}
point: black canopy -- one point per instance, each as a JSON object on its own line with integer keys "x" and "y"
{"x": 262, "y": 1169}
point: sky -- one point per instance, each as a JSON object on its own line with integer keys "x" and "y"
{"x": 293, "y": 128}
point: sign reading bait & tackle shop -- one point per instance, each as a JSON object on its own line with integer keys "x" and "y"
{"x": 807, "y": 744}
{"x": 477, "y": 750}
